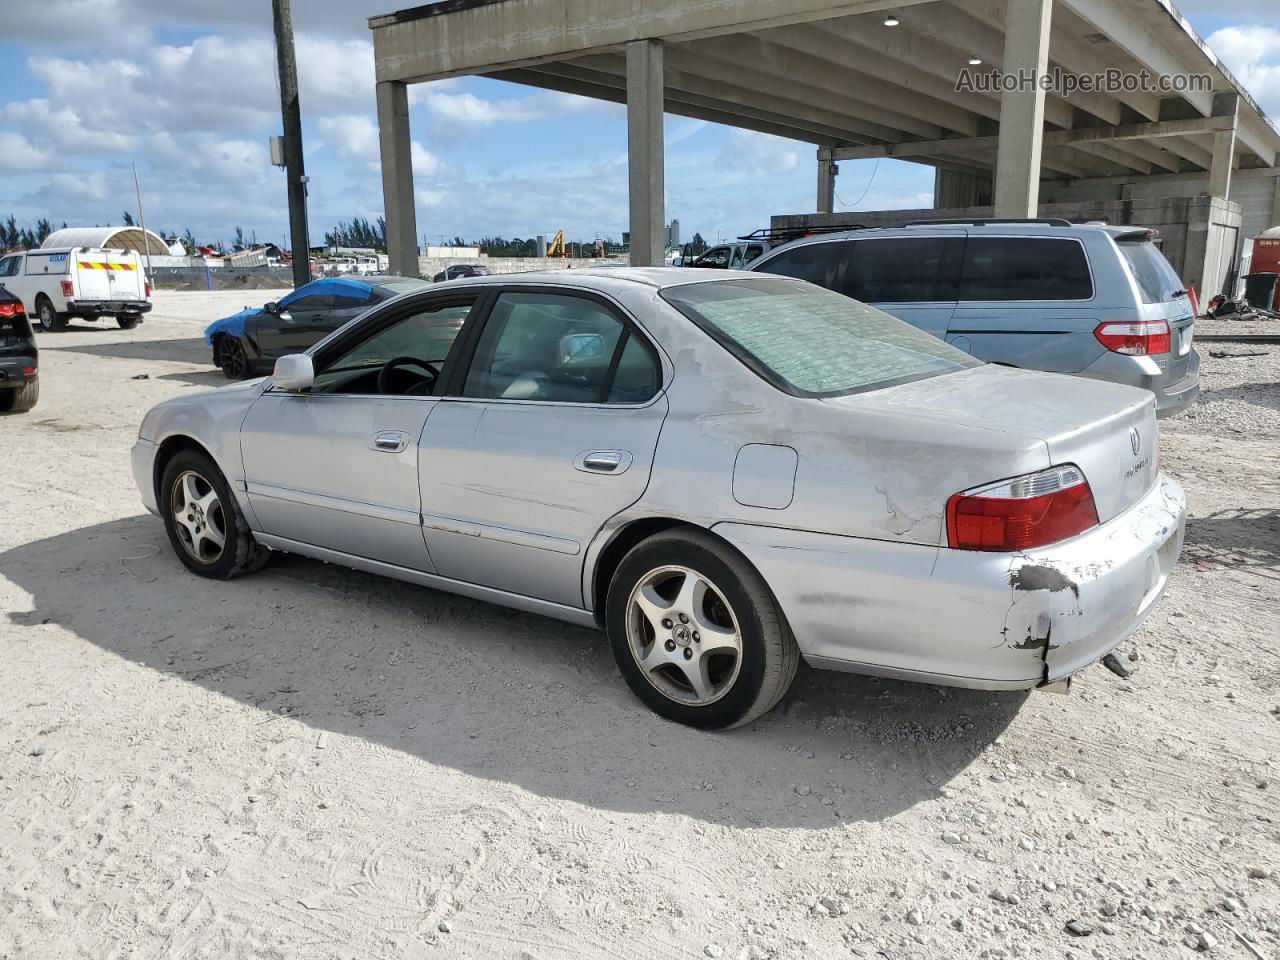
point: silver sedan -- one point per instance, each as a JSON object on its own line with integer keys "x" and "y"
{"x": 724, "y": 471}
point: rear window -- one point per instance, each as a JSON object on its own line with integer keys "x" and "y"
{"x": 811, "y": 342}
{"x": 1024, "y": 268}
{"x": 808, "y": 261}
{"x": 1157, "y": 281}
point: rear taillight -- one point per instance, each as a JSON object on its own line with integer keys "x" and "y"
{"x": 146, "y": 288}
{"x": 1031, "y": 511}
{"x": 67, "y": 289}
{"x": 10, "y": 309}
{"x": 1144, "y": 339}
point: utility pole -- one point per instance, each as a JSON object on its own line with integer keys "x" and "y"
{"x": 292, "y": 115}
{"x": 142, "y": 215}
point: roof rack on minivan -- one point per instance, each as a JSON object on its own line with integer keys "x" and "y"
{"x": 780, "y": 235}
{"x": 984, "y": 221}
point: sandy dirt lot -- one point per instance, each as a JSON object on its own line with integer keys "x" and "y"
{"x": 316, "y": 763}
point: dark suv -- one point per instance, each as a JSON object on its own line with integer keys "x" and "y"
{"x": 19, "y": 375}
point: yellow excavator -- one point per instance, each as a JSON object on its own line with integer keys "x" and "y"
{"x": 556, "y": 247}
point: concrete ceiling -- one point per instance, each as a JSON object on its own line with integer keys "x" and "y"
{"x": 832, "y": 74}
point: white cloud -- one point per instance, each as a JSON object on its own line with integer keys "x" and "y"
{"x": 425, "y": 163}
{"x": 747, "y": 152}
{"x": 18, "y": 154}
{"x": 1252, "y": 53}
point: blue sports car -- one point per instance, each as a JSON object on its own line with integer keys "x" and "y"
{"x": 247, "y": 343}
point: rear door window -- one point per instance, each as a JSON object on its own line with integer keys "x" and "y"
{"x": 1024, "y": 268}
{"x": 559, "y": 348}
{"x": 898, "y": 270}
{"x": 1157, "y": 281}
{"x": 809, "y": 261}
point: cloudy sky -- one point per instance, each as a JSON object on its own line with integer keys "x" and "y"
{"x": 187, "y": 90}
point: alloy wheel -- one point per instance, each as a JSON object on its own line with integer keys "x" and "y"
{"x": 232, "y": 358}
{"x": 684, "y": 635}
{"x": 199, "y": 518}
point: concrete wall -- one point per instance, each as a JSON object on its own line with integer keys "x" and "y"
{"x": 428, "y": 267}
{"x": 1256, "y": 192}
{"x": 1199, "y": 235}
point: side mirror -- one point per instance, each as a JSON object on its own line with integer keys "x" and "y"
{"x": 271, "y": 307}
{"x": 294, "y": 372}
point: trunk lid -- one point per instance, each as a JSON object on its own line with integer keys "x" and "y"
{"x": 1090, "y": 423}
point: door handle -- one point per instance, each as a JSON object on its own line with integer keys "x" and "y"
{"x": 603, "y": 461}
{"x": 390, "y": 442}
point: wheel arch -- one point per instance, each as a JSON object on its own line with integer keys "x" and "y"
{"x": 169, "y": 448}
{"x": 629, "y": 535}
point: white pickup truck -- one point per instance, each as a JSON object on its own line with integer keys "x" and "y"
{"x": 59, "y": 283}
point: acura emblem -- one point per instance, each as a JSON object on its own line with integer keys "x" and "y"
{"x": 1135, "y": 441}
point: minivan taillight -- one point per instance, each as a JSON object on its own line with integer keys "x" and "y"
{"x": 1025, "y": 512}
{"x": 146, "y": 289}
{"x": 1143, "y": 339}
{"x": 67, "y": 289}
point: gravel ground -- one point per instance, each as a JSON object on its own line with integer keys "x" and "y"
{"x": 315, "y": 763}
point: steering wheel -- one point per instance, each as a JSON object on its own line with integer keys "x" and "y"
{"x": 421, "y": 387}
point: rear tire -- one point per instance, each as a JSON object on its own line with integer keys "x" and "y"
{"x": 50, "y": 319}
{"x": 681, "y": 606}
{"x": 230, "y": 355}
{"x": 22, "y": 399}
{"x": 204, "y": 523}
{"x": 129, "y": 321}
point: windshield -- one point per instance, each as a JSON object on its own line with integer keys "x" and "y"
{"x": 1156, "y": 280}
{"x": 811, "y": 342}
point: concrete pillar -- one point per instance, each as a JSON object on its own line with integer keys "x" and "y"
{"x": 1224, "y": 145}
{"x": 1275, "y": 202}
{"x": 645, "y": 153}
{"x": 1026, "y": 52}
{"x": 397, "y": 178}
{"x": 826, "y": 181}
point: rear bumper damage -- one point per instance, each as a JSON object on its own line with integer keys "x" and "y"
{"x": 966, "y": 618}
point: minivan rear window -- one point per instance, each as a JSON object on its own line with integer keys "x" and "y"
{"x": 1024, "y": 268}
{"x": 812, "y": 342}
{"x": 1157, "y": 281}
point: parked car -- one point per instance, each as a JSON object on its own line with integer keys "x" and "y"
{"x": 247, "y": 343}
{"x": 19, "y": 357}
{"x": 725, "y": 256}
{"x": 55, "y": 284}
{"x": 1086, "y": 299}
{"x": 456, "y": 271}
{"x": 726, "y": 471}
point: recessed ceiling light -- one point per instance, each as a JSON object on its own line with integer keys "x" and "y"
{"x": 975, "y": 61}
{"x": 891, "y": 21}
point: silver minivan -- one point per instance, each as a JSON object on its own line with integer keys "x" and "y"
{"x": 1095, "y": 300}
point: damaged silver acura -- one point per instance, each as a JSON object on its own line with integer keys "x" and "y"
{"x": 724, "y": 471}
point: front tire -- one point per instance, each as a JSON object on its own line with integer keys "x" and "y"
{"x": 50, "y": 319}
{"x": 230, "y": 355}
{"x": 21, "y": 399}
{"x": 204, "y": 523}
{"x": 697, "y": 633}
{"x": 128, "y": 321}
